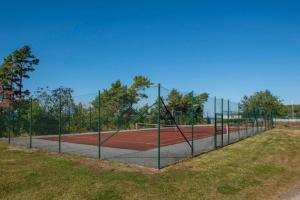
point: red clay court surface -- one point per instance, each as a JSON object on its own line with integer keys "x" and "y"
{"x": 140, "y": 140}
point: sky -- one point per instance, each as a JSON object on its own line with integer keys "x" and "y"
{"x": 226, "y": 48}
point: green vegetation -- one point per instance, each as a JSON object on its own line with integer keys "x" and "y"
{"x": 263, "y": 101}
{"x": 262, "y": 105}
{"x": 122, "y": 106}
{"x": 14, "y": 70}
{"x": 261, "y": 167}
{"x": 291, "y": 111}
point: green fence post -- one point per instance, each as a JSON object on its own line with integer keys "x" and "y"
{"x": 261, "y": 121}
{"x": 247, "y": 121}
{"x": 268, "y": 123}
{"x": 256, "y": 119}
{"x": 99, "y": 125}
{"x": 222, "y": 122}
{"x": 59, "y": 128}
{"x": 11, "y": 118}
{"x": 272, "y": 119}
{"x": 268, "y": 119}
{"x": 158, "y": 127}
{"x": 13, "y": 126}
{"x": 228, "y": 121}
{"x": 215, "y": 131}
{"x": 90, "y": 118}
{"x": 193, "y": 122}
{"x": 81, "y": 118}
{"x": 69, "y": 116}
{"x": 253, "y": 122}
{"x": 239, "y": 123}
{"x": 30, "y": 125}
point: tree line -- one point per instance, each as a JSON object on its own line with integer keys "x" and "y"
{"x": 121, "y": 106}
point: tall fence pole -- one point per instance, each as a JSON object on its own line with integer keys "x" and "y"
{"x": 222, "y": 122}
{"x": 59, "y": 128}
{"x": 81, "y": 117}
{"x": 228, "y": 121}
{"x": 30, "y": 125}
{"x": 272, "y": 122}
{"x": 265, "y": 121}
{"x": 215, "y": 131}
{"x": 193, "y": 122}
{"x": 69, "y": 116}
{"x": 239, "y": 123}
{"x": 13, "y": 125}
{"x": 90, "y": 118}
{"x": 256, "y": 119}
{"x": 99, "y": 125}
{"x": 158, "y": 127}
{"x": 247, "y": 122}
{"x": 275, "y": 121}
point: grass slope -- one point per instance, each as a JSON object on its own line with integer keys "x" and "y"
{"x": 261, "y": 167}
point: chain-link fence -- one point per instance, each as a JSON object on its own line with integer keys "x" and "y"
{"x": 154, "y": 128}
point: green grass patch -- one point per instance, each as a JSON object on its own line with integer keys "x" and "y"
{"x": 261, "y": 167}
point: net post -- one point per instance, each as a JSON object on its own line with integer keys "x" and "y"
{"x": 193, "y": 123}
{"x": 30, "y": 125}
{"x": 215, "y": 128}
{"x": 59, "y": 126}
{"x": 239, "y": 123}
{"x": 228, "y": 123}
{"x": 222, "y": 122}
{"x": 158, "y": 127}
{"x": 99, "y": 125}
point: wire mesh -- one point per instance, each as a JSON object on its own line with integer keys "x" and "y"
{"x": 16, "y": 122}
{"x": 150, "y": 126}
{"x": 176, "y": 111}
{"x": 129, "y": 126}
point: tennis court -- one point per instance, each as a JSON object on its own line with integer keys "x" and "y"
{"x": 143, "y": 139}
{"x": 159, "y": 128}
{"x": 140, "y": 147}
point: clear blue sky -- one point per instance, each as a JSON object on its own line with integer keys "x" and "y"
{"x": 227, "y": 48}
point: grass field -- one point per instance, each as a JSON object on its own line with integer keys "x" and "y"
{"x": 262, "y": 167}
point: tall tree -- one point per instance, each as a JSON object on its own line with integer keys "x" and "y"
{"x": 262, "y": 103}
{"x": 7, "y": 79}
{"x": 19, "y": 64}
{"x": 180, "y": 105}
{"x": 119, "y": 102}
